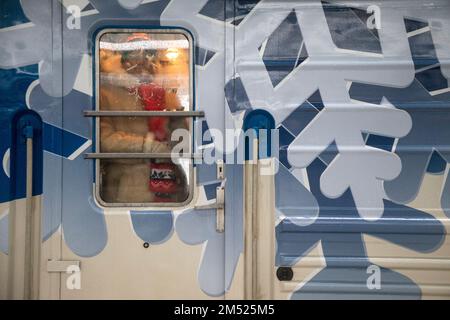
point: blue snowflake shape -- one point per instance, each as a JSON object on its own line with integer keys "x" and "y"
{"x": 340, "y": 231}
{"x": 83, "y": 222}
{"x": 221, "y": 250}
{"x": 34, "y": 43}
{"x": 430, "y": 134}
{"x": 427, "y": 100}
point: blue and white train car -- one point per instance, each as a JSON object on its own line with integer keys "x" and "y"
{"x": 224, "y": 149}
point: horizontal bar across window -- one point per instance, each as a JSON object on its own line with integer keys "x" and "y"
{"x": 88, "y": 113}
{"x": 140, "y": 156}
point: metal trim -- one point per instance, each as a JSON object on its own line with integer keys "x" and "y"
{"x": 141, "y": 156}
{"x": 96, "y": 74}
{"x": 91, "y": 113}
{"x": 61, "y": 266}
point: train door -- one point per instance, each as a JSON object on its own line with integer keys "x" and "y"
{"x": 119, "y": 239}
{"x": 103, "y": 236}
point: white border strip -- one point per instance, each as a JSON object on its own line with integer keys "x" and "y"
{"x": 147, "y": 44}
{"x": 419, "y": 31}
{"x": 80, "y": 150}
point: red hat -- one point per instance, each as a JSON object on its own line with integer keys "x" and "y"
{"x": 138, "y": 36}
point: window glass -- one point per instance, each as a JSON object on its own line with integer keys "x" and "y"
{"x": 142, "y": 71}
{"x": 137, "y": 181}
{"x": 139, "y": 65}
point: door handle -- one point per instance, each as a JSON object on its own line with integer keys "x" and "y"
{"x": 219, "y": 204}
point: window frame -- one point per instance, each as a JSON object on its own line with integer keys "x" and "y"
{"x": 96, "y": 121}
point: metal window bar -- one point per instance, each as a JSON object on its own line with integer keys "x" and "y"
{"x": 102, "y": 155}
{"x": 124, "y": 155}
{"x": 193, "y": 114}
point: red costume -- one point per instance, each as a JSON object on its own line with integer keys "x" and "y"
{"x": 153, "y": 98}
{"x": 163, "y": 173}
{"x": 163, "y": 180}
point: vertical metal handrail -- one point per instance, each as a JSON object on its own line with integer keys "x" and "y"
{"x": 33, "y": 235}
{"x": 29, "y": 213}
{"x": 25, "y": 250}
{"x": 259, "y": 226}
{"x": 250, "y": 223}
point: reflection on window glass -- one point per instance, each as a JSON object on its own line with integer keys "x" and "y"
{"x": 142, "y": 71}
{"x": 153, "y": 68}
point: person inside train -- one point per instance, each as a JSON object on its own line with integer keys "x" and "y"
{"x": 135, "y": 78}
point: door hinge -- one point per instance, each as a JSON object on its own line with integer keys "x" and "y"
{"x": 220, "y": 211}
{"x": 62, "y": 265}
{"x": 220, "y": 170}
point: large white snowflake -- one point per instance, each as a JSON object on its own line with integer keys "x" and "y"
{"x": 327, "y": 68}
